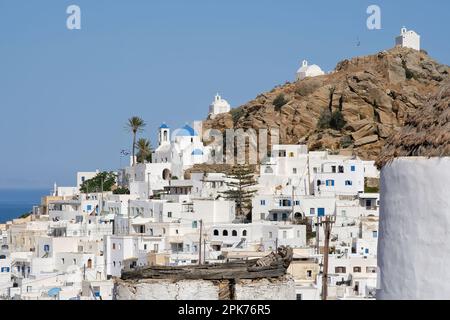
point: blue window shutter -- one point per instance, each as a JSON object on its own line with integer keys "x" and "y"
{"x": 353, "y": 168}
{"x": 321, "y": 212}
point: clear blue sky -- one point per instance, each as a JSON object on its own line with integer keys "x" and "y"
{"x": 65, "y": 95}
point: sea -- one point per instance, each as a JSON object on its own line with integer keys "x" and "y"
{"x": 16, "y": 202}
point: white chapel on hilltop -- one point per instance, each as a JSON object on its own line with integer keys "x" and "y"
{"x": 307, "y": 71}
{"x": 218, "y": 106}
{"x": 408, "y": 39}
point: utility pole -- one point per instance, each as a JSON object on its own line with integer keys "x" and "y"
{"x": 148, "y": 184}
{"x": 293, "y": 202}
{"x": 129, "y": 218}
{"x": 317, "y": 235}
{"x": 200, "y": 243}
{"x": 204, "y": 249}
{"x": 327, "y": 225}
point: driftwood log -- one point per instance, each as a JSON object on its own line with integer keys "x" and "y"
{"x": 271, "y": 266}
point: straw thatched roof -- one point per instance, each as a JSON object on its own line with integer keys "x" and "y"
{"x": 426, "y": 133}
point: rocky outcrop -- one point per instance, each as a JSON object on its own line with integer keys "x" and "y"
{"x": 375, "y": 94}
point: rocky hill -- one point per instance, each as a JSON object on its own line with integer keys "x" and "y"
{"x": 352, "y": 110}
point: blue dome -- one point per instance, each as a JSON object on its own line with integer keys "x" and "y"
{"x": 164, "y": 126}
{"x": 186, "y": 131}
{"x": 197, "y": 152}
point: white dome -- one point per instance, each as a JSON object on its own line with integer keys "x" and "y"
{"x": 219, "y": 102}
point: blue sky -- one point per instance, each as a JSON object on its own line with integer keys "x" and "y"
{"x": 65, "y": 95}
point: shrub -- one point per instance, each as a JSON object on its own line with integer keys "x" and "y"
{"x": 333, "y": 120}
{"x": 337, "y": 121}
{"x": 279, "y": 101}
{"x": 346, "y": 141}
{"x": 121, "y": 190}
{"x": 236, "y": 114}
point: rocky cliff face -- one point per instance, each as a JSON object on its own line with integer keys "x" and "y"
{"x": 374, "y": 94}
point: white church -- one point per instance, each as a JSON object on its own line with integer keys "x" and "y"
{"x": 181, "y": 149}
{"x": 307, "y": 71}
{"x": 218, "y": 106}
{"x": 408, "y": 39}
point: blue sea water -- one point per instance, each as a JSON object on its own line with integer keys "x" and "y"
{"x": 15, "y": 202}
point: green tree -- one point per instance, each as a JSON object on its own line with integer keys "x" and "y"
{"x": 144, "y": 150}
{"x": 103, "y": 181}
{"x": 242, "y": 178}
{"x": 135, "y": 125}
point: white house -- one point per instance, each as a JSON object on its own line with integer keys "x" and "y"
{"x": 307, "y": 71}
{"x": 408, "y": 39}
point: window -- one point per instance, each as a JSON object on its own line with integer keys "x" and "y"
{"x": 312, "y": 211}
{"x": 333, "y": 169}
{"x": 234, "y": 233}
{"x": 357, "y": 269}
{"x": 319, "y": 183}
{"x": 284, "y": 216}
{"x": 284, "y": 234}
{"x": 225, "y": 233}
{"x": 340, "y": 270}
{"x": 145, "y": 247}
{"x": 368, "y": 203}
{"x": 169, "y": 214}
{"x": 244, "y": 233}
{"x": 46, "y": 248}
{"x": 194, "y": 224}
{"x": 62, "y": 260}
{"x": 348, "y": 182}
{"x": 366, "y": 251}
{"x": 74, "y": 261}
{"x": 263, "y": 216}
{"x": 291, "y": 154}
{"x": 5, "y": 269}
{"x": 89, "y": 207}
{"x": 298, "y": 233}
{"x": 353, "y": 168}
{"x": 375, "y": 234}
{"x": 114, "y": 263}
{"x": 371, "y": 269}
{"x": 299, "y": 296}
{"x": 294, "y": 170}
{"x": 216, "y": 232}
{"x": 308, "y": 273}
{"x": 297, "y": 202}
{"x": 341, "y": 169}
{"x": 270, "y": 235}
{"x": 114, "y": 246}
{"x": 263, "y": 202}
{"x": 330, "y": 183}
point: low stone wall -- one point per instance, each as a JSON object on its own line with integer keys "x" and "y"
{"x": 282, "y": 288}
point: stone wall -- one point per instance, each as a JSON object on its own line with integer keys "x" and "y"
{"x": 150, "y": 289}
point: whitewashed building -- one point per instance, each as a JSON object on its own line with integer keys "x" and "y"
{"x": 408, "y": 39}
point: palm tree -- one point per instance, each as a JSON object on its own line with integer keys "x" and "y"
{"x": 135, "y": 125}
{"x": 144, "y": 150}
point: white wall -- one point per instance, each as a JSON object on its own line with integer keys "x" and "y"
{"x": 415, "y": 229}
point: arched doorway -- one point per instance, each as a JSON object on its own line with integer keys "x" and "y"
{"x": 89, "y": 264}
{"x": 166, "y": 174}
